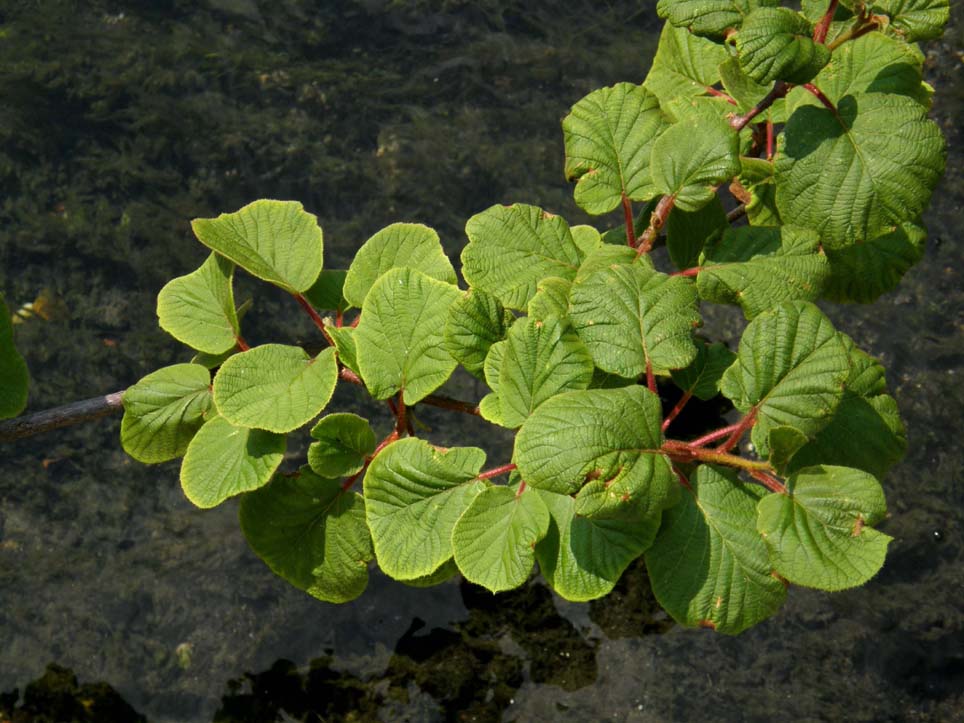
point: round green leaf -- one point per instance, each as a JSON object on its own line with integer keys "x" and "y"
{"x": 864, "y": 271}
{"x": 344, "y": 442}
{"x": 275, "y": 387}
{"x": 708, "y": 565}
{"x": 312, "y": 533}
{"x": 401, "y": 245}
{"x": 277, "y": 241}
{"x": 819, "y": 533}
{"x": 223, "y": 460}
{"x": 400, "y": 339}
{"x": 914, "y": 20}
{"x": 494, "y": 540}
{"x": 685, "y": 65}
{"x": 775, "y": 44}
{"x": 512, "y": 248}
{"x": 603, "y": 444}
{"x": 609, "y": 135}
{"x": 163, "y": 411}
{"x": 198, "y": 309}
{"x": 845, "y": 173}
{"x": 694, "y": 156}
{"x": 414, "y": 495}
{"x": 13, "y": 369}
{"x": 632, "y": 315}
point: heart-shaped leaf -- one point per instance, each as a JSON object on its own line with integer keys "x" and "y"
{"x": 163, "y": 411}
{"x": 223, "y": 460}
{"x": 198, "y": 309}
{"x": 414, "y": 495}
{"x": 862, "y": 272}
{"x": 400, "y": 339}
{"x": 401, "y": 245}
{"x": 344, "y": 442}
{"x": 685, "y": 64}
{"x": 275, "y": 387}
{"x": 277, "y": 241}
{"x": 512, "y": 248}
{"x": 609, "y": 136}
{"x": 631, "y": 316}
{"x": 819, "y": 533}
{"x": 708, "y": 565}
{"x": 312, "y": 533}
{"x": 495, "y": 538}
{"x": 775, "y": 44}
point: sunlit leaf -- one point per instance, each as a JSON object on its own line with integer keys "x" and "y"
{"x": 914, "y": 20}
{"x": 685, "y": 64}
{"x": 775, "y": 43}
{"x": 708, "y": 17}
{"x": 475, "y": 322}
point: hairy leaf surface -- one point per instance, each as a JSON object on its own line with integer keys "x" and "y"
{"x": 277, "y": 241}
{"x": 344, "y": 441}
{"x": 198, "y": 309}
{"x": 708, "y": 17}
{"x": 915, "y": 20}
{"x": 702, "y": 377}
{"x": 774, "y": 43}
{"x": 475, "y": 322}
{"x": 163, "y": 411}
{"x": 685, "y": 64}
{"x": 819, "y": 533}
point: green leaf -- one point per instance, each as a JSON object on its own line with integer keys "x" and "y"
{"x": 603, "y": 444}
{"x": 344, "y": 338}
{"x": 582, "y": 558}
{"x": 873, "y": 63}
{"x": 631, "y": 315}
{"x": 275, "y": 387}
{"x": 846, "y": 173}
{"x": 609, "y": 136}
{"x": 586, "y": 238}
{"x": 551, "y": 300}
{"x": 685, "y": 64}
{"x": 446, "y": 571}
{"x": 609, "y": 256}
{"x": 277, "y": 241}
{"x": 401, "y": 245}
{"x": 702, "y": 377}
{"x": 866, "y": 431}
{"x": 163, "y": 411}
{"x": 344, "y": 441}
{"x": 708, "y": 566}
{"x": 540, "y": 359}
{"x": 512, "y": 248}
{"x": 495, "y": 538}
{"x": 914, "y": 20}
{"x": 198, "y": 309}
{"x": 327, "y": 291}
{"x": 414, "y": 495}
{"x": 862, "y": 272}
{"x": 13, "y": 369}
{"x": 819, "y": 533}
{"x": 757, "y": 267}
{"x": 756, "y": 178}
{"x": 475, "y": 322}
{"x": 748, "y": 93}
{"x": 692, "y": 158}
{"x": 688, "y": 231}
{"x": 400, "y": 338}
{"x": 708, "y": 17}
{"x": 775, "y": 44}
{"x": 312, "y": 533}
{"x": 224, "y": 460}
{"x": 790, "y": 368}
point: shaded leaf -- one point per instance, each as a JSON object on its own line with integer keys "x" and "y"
{"x": 688, "y": 231}
{"x": 475, "y": 322}
{"x": 708, "y": 565}
{"x": 702, "y": 377}
{"x": 327, "y": 291}
{"x": 862, "y": 272}
{"x": 344, "y": 441}
{"x": 311, "y": 533}
{"x": 914, "y": 20}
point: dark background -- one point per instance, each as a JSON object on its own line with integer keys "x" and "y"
{"x": 121, "y": 121}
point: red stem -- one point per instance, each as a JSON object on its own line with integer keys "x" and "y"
{"x": 489, "y": 474}
{"x": 771, "y": 483}
{"x": 522, "y": 488}
{"x": 769, "y": 139}
{"x": 368, "y": 460}
{"x": 630, "y": 221}
{"x": 824, "y": 100}
{"x": 656, "y": 222}
{"x": 650, "y": 378}
{"x": 319, "y": 322}
{"x": 683, "y": 479}
{"x": 688, "y": 272}
{"x": 433, "y": 400}
{"x": 242, "y": 344}
{"x": 720, "y": 94}
{"x": 780, "y": 89}
{"x": 748, "y": 421}
{"x": 821, "y": 28}
{"x": 400, "y": 425}
{"x": 677, "y": 409}
{"x": 713, "y": 436}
